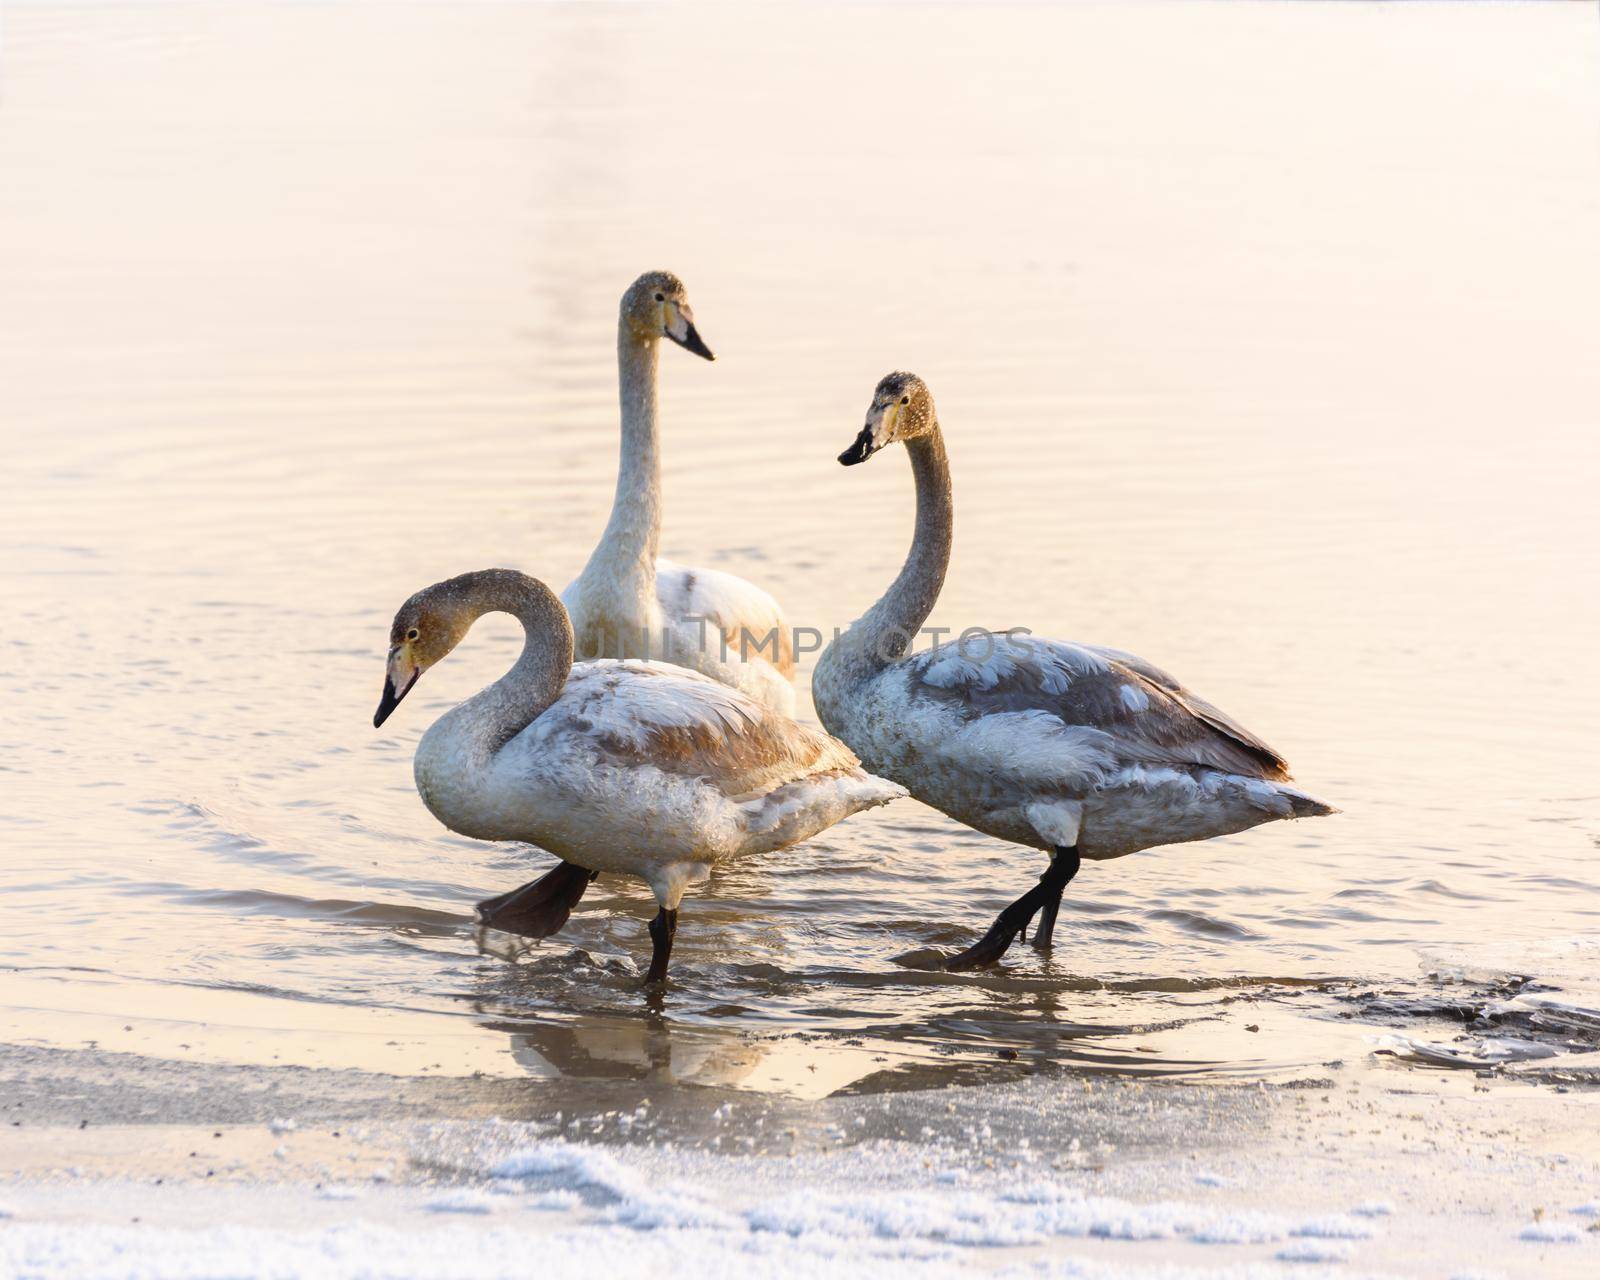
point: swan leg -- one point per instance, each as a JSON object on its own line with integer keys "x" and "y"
{"x": 1044, "y": 896}
{"x": 663, "y": 929}
{"x": 540, "y": 907}
{"x": 1068, "y": 860}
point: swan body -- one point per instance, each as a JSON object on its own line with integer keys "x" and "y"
{"x": 615, "y": 765}
{"x": 630, "y": 603}
{"x": 1059, "y": 744}
{"x": 710, "y": 622}
{"x": 646, "y": 769}
{"x": 1085, "y": 751}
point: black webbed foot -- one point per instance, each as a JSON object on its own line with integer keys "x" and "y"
{"x": 1044, "y": 899}
{"x": 540, "y": 907}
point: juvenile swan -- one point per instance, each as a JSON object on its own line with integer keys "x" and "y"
{"x": 628, "y": 603}
{"x": 1082, "y": 751}
{"x": 611, "y": 766}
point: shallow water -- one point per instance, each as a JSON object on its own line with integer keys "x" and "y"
{"x": 1262, "y": 335}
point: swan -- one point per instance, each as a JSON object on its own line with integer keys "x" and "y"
{"x": 1079, "y": 750}
{"x": 628, "y": 602}
{"x": 623, "y": 766}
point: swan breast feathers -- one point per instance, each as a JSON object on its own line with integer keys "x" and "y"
{"x": 1124, "y": 707}
{"x": 631, "y": 714}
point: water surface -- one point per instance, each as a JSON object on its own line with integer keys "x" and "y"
{"x": 1263, "y": 339}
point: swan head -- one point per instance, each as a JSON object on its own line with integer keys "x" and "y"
{"x": 427, "y": 627}
{"x": 656, "y": 306}
{"x": 901, "y": 409}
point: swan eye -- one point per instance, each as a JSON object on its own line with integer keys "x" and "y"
{"x": 412, "y": 634}
{"x": 661, "y": 297}
{"x": 905, "y": 399}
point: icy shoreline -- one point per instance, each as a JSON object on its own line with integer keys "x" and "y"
{"x": 1373, "y": 1170}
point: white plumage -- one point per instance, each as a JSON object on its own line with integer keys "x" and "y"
{"x": 614, "y": 766}
{"x": 716, "y": 623}
{"x": 630, "y": 603}
{"x": 646, "y": 769}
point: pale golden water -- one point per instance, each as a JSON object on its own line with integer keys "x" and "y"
{"x": 1263, "y": 335}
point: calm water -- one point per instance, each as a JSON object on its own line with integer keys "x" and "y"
{"x": 1263, "y": 335}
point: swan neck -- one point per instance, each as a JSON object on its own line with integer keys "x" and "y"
{"x": 627, "y": 550}
{"x": 513, "y": 702}
{"x": 887, "y": 632}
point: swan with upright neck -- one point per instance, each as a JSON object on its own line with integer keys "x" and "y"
{"x": 1079, "y": 750}
{"x": 629, "y": 602}
{"x": 614, "y": 766}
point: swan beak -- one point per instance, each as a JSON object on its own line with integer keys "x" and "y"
{"x": 391, "y": 698}
{"x": 877, "y": 433}
{"x": 862, "y": 449}
{"x": 678, "y": 322}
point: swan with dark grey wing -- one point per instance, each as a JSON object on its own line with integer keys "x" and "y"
{"x": 1083, "y": 751}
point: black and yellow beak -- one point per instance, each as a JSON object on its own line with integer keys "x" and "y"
{"x": 678, "y": 323}
{"x": 877, "y": 433}
{"x": 690, "y": 340}
{"x": 392, "y": 697}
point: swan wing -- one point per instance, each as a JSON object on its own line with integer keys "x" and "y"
{"x": 633, "y": 714}
{"x": 750, "y": 620}
{"x": 1271, "y": 761}
{"x": 1148, "y": 715}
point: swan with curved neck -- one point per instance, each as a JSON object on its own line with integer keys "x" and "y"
{"x": 630, "y": 603}
{"x": 613, "y": 766}
{"x": 1079, "y": 750}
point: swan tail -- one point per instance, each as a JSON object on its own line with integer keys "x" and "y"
{"x": 1303, "y": 806}
{"x": 870, "y": 791}
{"x": 798, "y": 811}
{"x": 540, "y": 907}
